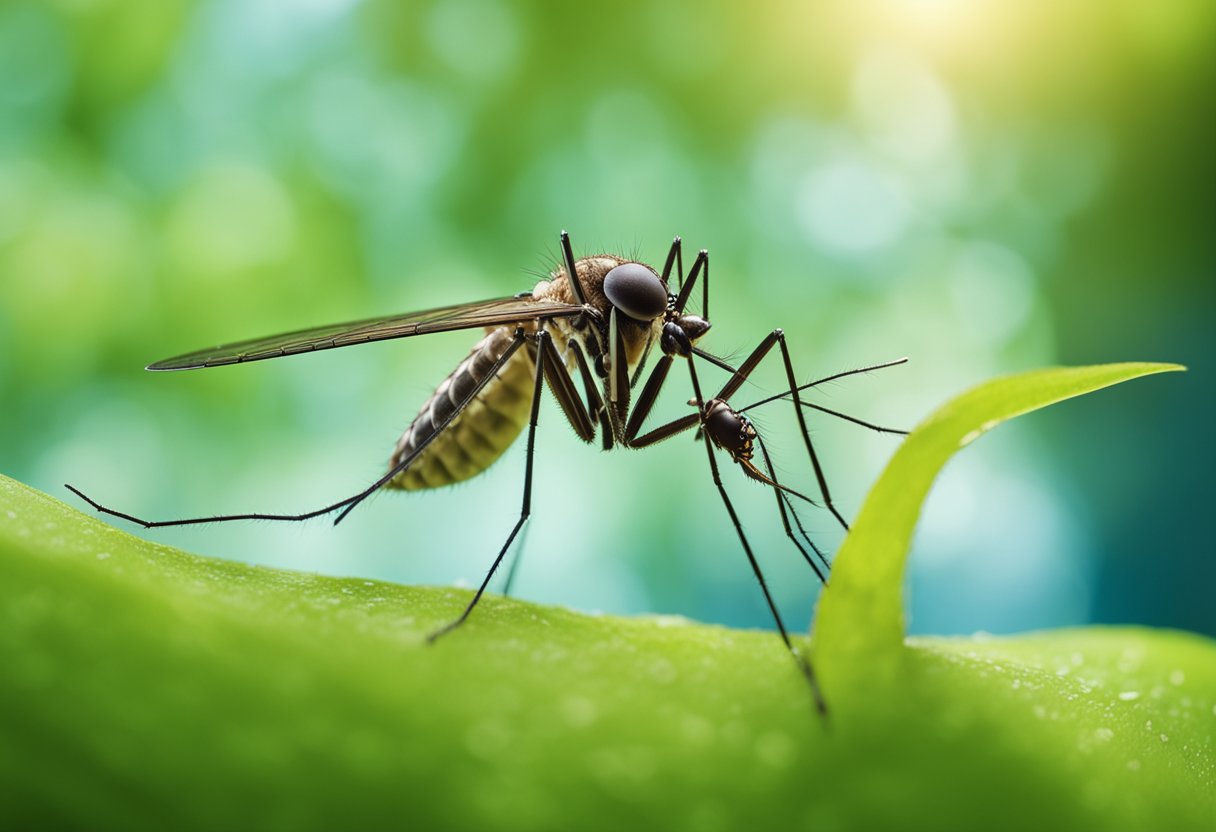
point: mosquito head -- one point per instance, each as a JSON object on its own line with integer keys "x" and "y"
{"x": 730, "y": 430}
{"x": 637, "y": 291}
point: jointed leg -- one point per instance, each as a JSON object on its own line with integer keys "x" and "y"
{"x": 803, "y": 663}
{"x": 346, "y": 504}
{"x": 526, "y": 508}
{"x": 783, "y": 503}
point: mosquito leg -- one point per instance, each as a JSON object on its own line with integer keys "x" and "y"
{"x": 784, "y": 502}
{"x": 561, "y": 385}
{"x": 595, "y": 402}
{"x": 345, "y": 504}
{"x": 806, "y": 434}
{"x": 675, "y": 255}
{"x": 675, "y": 426}
{"x": 745, "y": 369}
{"x": 803, "y": 663}
{"x": 654, "y": 383}
{"x": 514, "y": 567}
{"x": 650, "y": 392}
{"x": 526, "y": 509}
{"x": 645, "y": 401}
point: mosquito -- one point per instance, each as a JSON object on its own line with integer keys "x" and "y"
{"x": 596, "y": 320}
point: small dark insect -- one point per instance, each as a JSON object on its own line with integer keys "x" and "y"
{"x": 597, "y": 318}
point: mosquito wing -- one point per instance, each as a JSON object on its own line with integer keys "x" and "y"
{"x": 501, "y": 311}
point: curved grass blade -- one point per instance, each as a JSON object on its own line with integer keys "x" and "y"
{"x": 862, "y": 613}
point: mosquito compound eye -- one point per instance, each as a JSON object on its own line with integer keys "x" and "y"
{"x": 636, "y": 291}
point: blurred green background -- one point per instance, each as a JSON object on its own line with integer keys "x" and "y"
{"x": 984, "y": 187}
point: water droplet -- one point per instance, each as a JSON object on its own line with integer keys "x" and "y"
{"x": 1017, "y": 683}
{"x": 670, "y": 621}
{"x": 1104, "y": 734}
{"x": 12, "y": 515}
{"x": 1148, "y": 725}
{"x": 103, "y": 555}
{"x": 1129, "y": 695}
{"x": 1177, "y": 677}
{"x": 1165, "y": 738}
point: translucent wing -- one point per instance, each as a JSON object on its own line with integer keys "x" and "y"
{"x": 501, "y": 311}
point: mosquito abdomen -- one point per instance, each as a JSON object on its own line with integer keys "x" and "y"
{"x": 480, "y": 433}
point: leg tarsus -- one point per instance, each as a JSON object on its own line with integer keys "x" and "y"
{"x": 526, "y": 508}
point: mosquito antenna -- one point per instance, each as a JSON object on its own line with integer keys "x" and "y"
{"x": 853, "y": 419}
{"x": 786, "y": 395}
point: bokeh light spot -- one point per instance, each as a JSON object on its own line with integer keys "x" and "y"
{"x": 850, "y": 207}
{"x": 992, "y": 289}
{"x": 453, "y": 24}
{"x": 233, "y": 217}
{"x": 904, "y": 109}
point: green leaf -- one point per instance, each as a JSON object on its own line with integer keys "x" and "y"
{"x": 867, "y": 575}
{"x": 145, "y": 688}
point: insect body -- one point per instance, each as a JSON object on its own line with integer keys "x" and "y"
{"x": 620, "y": 296}
{"x": 597, "y": 320}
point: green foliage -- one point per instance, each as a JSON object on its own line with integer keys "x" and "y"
{"x": 146, "y": 688}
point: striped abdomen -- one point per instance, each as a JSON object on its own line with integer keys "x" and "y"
{"x": 479, "y": 434}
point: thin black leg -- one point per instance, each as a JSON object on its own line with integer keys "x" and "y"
{"x": 806, "y": 434}
{"x": 803, "y": 663}
{"x": 514, "y": 567}
{"x": 346, "y": 504}
{"x": 784, "y": 502}
{"x": 595, "y": 402}
{"x": 752, "y": 361}
{"x": 580, "y": 415}
{"x": 654, "y": 383}
{"x": 674, "y": 255}
{"x": 526, "y": 509}
{"x": 683, "y": 423}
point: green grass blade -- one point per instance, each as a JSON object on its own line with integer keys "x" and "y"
{"x": 862, "y": 612}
